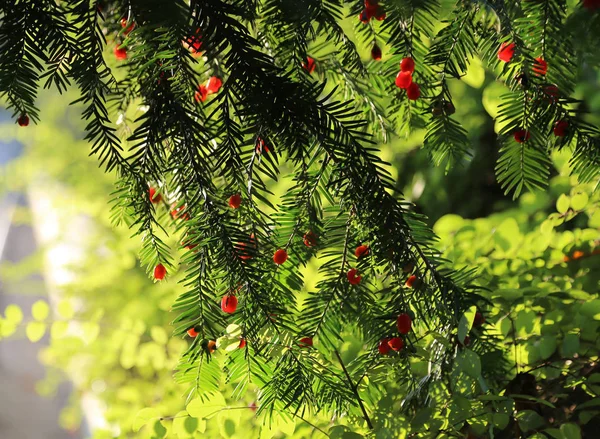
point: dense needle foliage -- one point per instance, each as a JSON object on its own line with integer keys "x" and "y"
{"x": 297, "y": 103}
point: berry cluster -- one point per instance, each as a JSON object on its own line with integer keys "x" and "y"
{"x": 405, "y": 81}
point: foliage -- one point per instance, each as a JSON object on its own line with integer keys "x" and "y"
{"x": 321, "y": 173}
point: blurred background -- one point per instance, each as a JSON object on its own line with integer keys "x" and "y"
{"x": 85, "y": 335}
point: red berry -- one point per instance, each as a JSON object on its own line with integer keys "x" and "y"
{"x": 23, "y": 120}
{"x": 361, "y": 250}
{"x": 211, "y": 346}
{"x": 213, "y": 85}
{"x": 306, "y": 342}
{"x": 154, "y": 197}
{"x": 467, "y": 341}
{"x": 201, "y": 94}
{"x": 560, "y": 128}
{"x": 411, "y": 281}
{"x": 383, "y": 346}
{"x": 396, "y": 343}
{"x": 229, "y": 304}
{"x": 371, "y": 4}
{"x": 592, "y": 5}
{"x": 540, "y": 67}
{"x": 280, "y": 256}
{"x": 309, "y": 239}
{"x": 380, "y": 14}
{"x": 124, "y": 25}
{"x": 235, "y": 201}
{"x": 403, "y": 79}
{"x": 160, "y": 272}
{"x": 120, "y": 53}
{"x": 478, "y": 320}
{"x": 506, "y": 51}
{"x": 578, "y": 254}
{"x": 413, "y": 92}
{"x": 261, "y": 146}
{"x": 407, "y": 65}
{"x": 179, "y": 212}
{"x": 521, "y": 136}
{"x": 376, "y": 52}
{"x": 404, "y": 323}
{"x": 242, "y": 344}
{"x": 353, "y": 276}
{"x": 194, "y": 42}
{"x": 192, "y": 332}
{"x": 241, "y": 249}
{"x": 309, "y": 65}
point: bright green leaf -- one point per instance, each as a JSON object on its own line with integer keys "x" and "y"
{"x": 35, "y": 331}
{"x": 143, "y": 417}
{"x": 562, "y": 204}
{"x": 466, "y": 323}
{"x": 13, "y": 314}
{"x": 40, "y": 310}
{"x": 469, "y": 362}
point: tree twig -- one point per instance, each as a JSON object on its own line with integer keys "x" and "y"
{"x": 354, "y": 390}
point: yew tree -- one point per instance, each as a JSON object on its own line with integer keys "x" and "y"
{"x": 233, "y": 96}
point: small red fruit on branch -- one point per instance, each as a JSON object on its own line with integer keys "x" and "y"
{"x": 412, "y": 281}
{"x": 384, "y": 347}
{"x": 120, "y": 53}
{"x": 242, "y": 344}
{"x": 309, "y": 65}
{"x": 23, "y": 120}
{"x": 280, "y": 256}
{"x": 192, "y": 332}
{"x": 353, "y": 276}
{"x": 521, "y": 136}
{"x": 361, "y": 250}
{"x": 396, "y": 343}
{"x": 407, "y": 65}
{"x": 404, "y": 323}
{"x": 403, "y": 80}
{"x": 154, "y": 197}
{"x": 309, "y": 239}
{"x": 506, "y": 51}
{"x": 478, "y": 320}
{"x": 560, "y": 128}
{"x": 376, "y": 52}
{"x": 211, "y": 346}
{"x": 235, "y": 201}
{"x": 540, "y": 67}
{"x": 160, "y": 272}
{"x": 413, "y": 91}
{"x": 306, "y": 342}
{"x": 229, "y": 304}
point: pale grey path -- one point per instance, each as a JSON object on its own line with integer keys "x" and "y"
{"x": 23, "y": 414}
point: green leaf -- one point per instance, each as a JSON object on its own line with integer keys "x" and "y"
{"x": 58, "y": 329}
{"x": 179, "y": 425}
{"x": 13, "y": 314}
{"x": 421, "y": 418}
{"x": 529, "y": 420}
{"x": 546, "y": 346}
{"x": 35, "y": 331}
{"x": 159, "y": 430}
{"x": 500, "y": 420}
{"x": 40, "y": 310}
{"x": 579, "y": 201}
{"x": 591, "y": 309}
{"x": 207, "y": 407}
{"x": 562, "y": 204}
{"x": 143, "y": 417}
{"x": 591, "y": 403}
{"x": 570, "y": 431}
{"x": 159, "y": 335}
{"x": 466, "y": 323}
{"x": 570, "y": 345}
{"x": 469, "y": 362}
{"x": 65, "y": 309}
